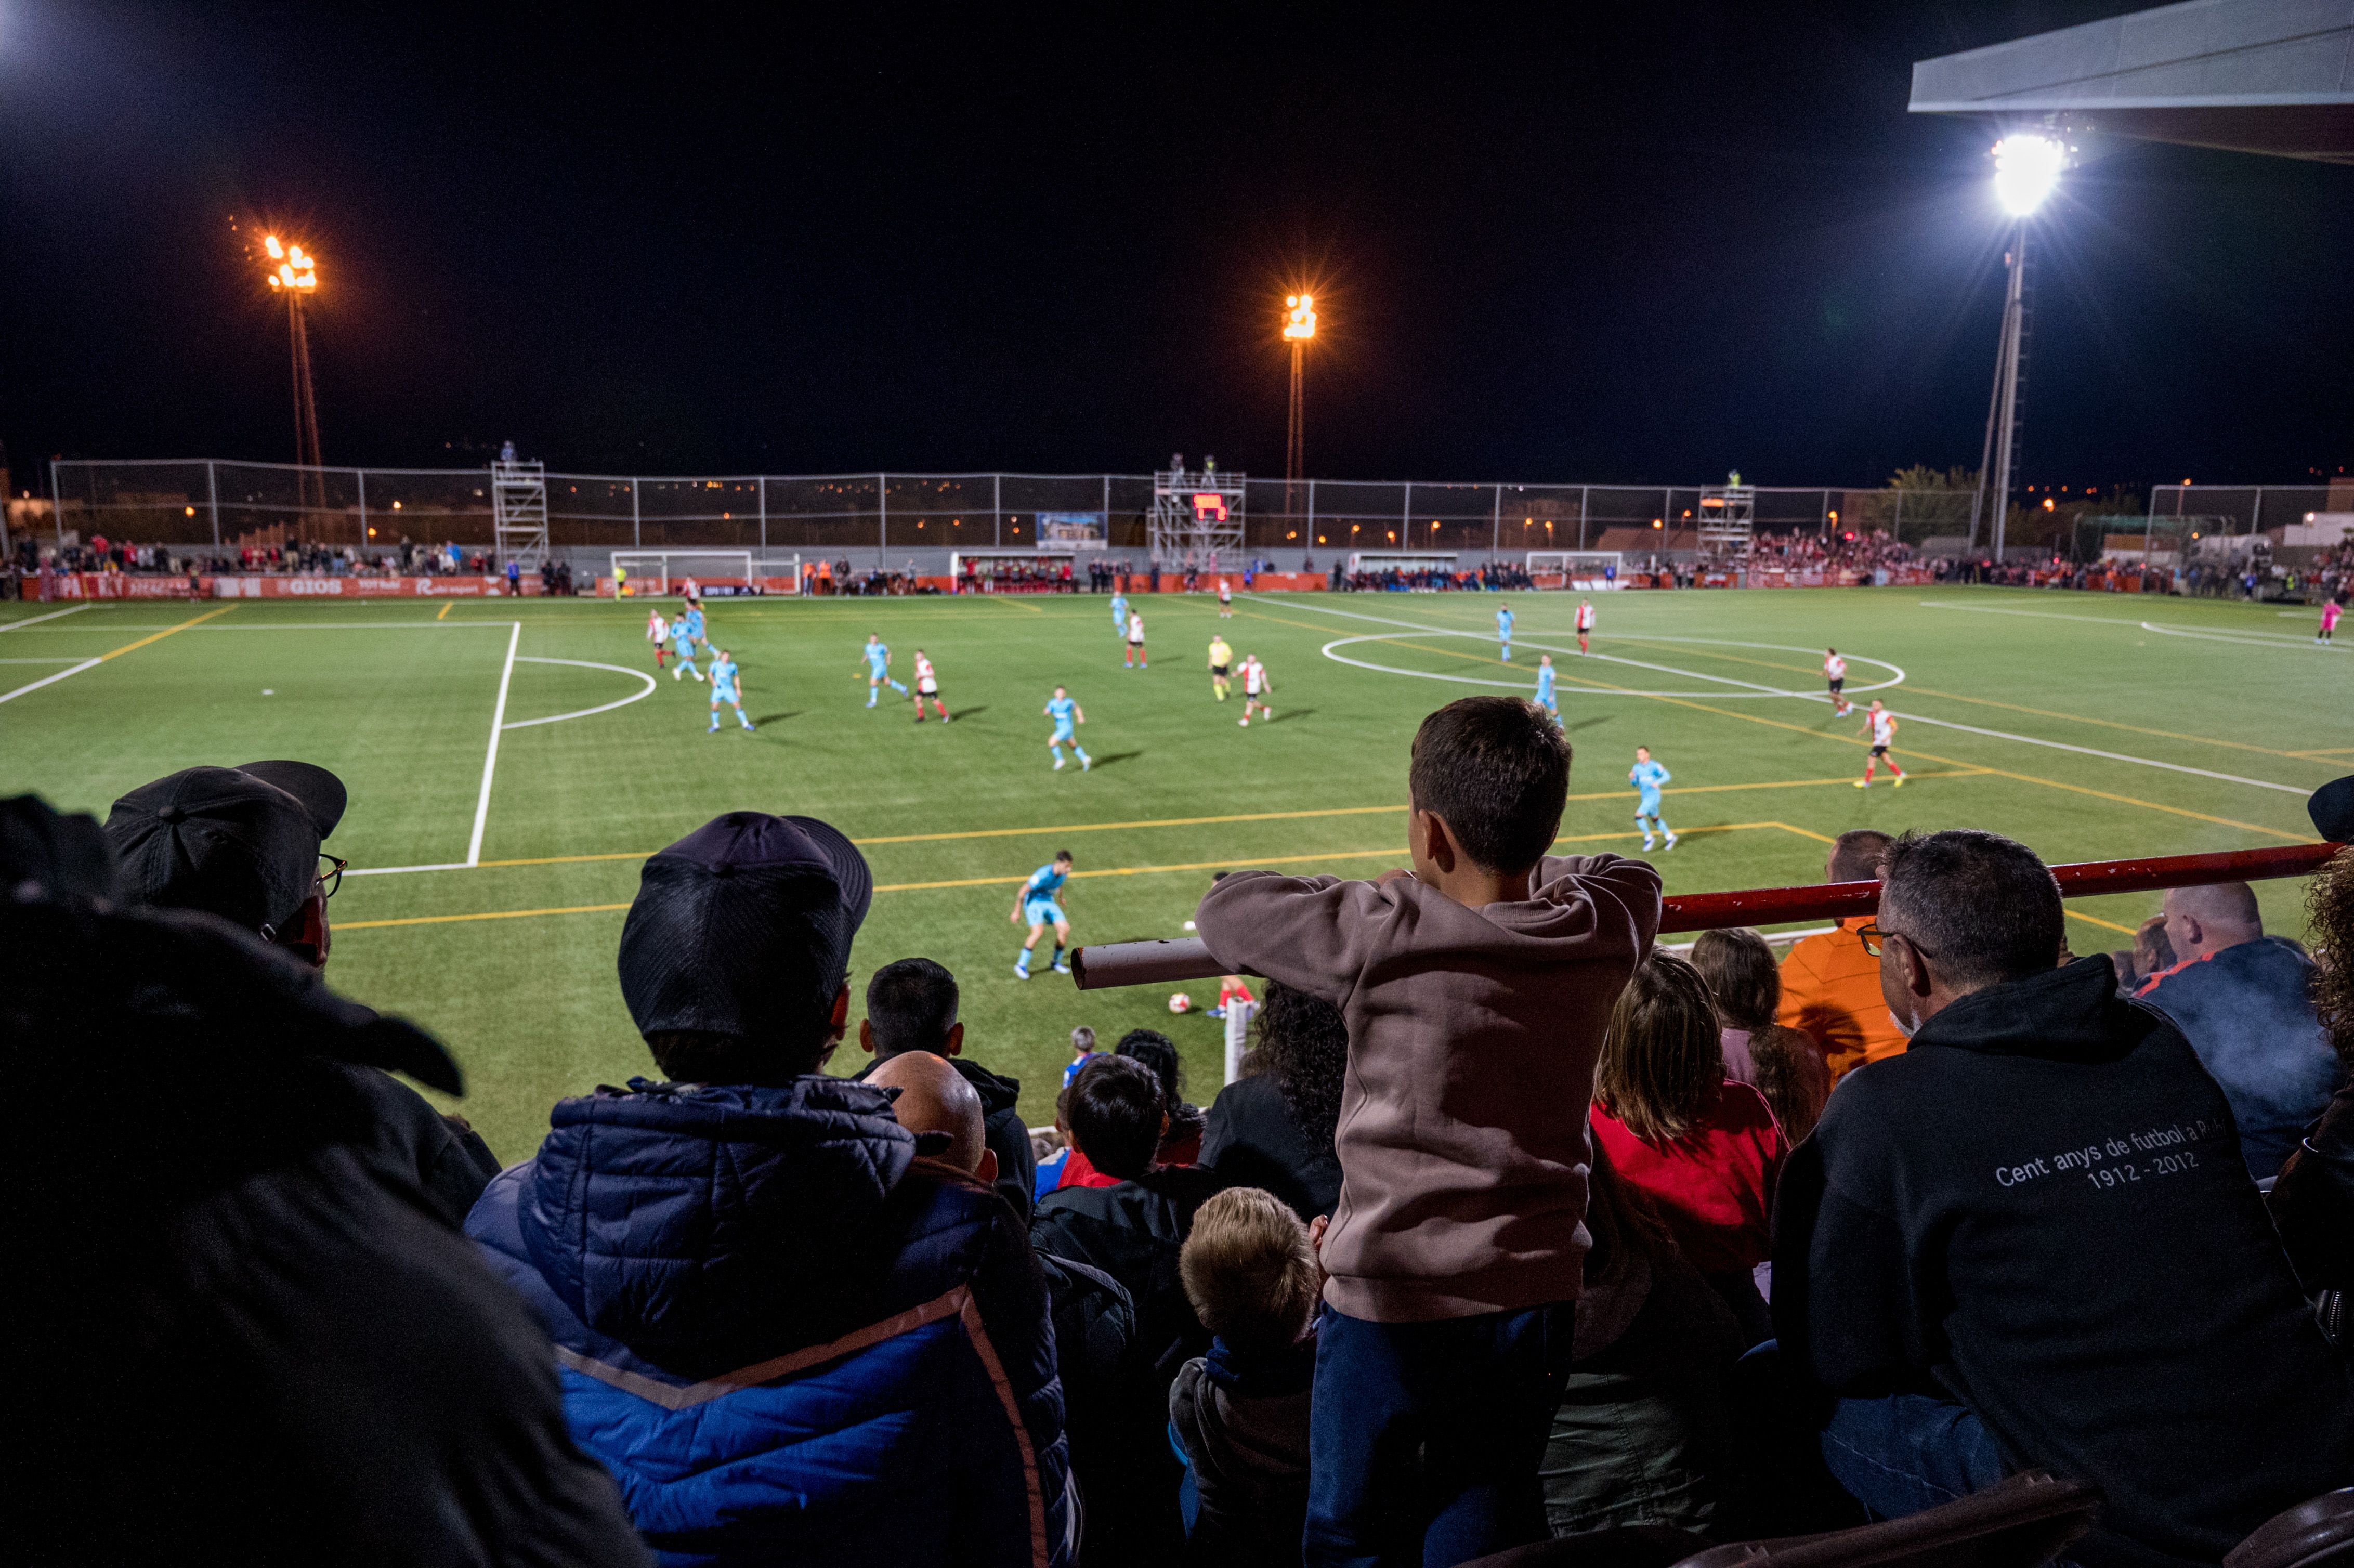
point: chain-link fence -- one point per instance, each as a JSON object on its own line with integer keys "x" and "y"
{"x": 222, "y": 506}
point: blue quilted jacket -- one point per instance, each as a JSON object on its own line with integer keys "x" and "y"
{"x": 789, "y": 1337}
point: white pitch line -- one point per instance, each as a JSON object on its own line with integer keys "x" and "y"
{"x": 2295, "y": 789}
{"x": 50, "y": 679}
{"x": 36, "y": 619}
{"x": 398, "y": 869}
{"x": 2031, "y": 614}
{"x": 490, "y": 757}
{"x": 2248, "y": 640}
{"x": 584, "y": 712}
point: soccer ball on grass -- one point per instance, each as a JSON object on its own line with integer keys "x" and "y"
{"x": 1179, "y": 1002}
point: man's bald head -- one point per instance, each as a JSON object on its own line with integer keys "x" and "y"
{"x": 2203, "y": 920}
{"x": 934, "y": 1097}
{"x": 1855, "y": 855}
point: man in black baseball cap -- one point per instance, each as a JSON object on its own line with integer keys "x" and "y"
{"x": 240, "y": 843}
{"x": 243, "y": 843}
{"x": 750, "y": 1210}
{"x": 735, "y": 958}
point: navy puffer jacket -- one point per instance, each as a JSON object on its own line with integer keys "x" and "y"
{"x": 789, "y": 1336}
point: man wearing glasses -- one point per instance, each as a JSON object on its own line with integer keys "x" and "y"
{"x": 243, "y": 843}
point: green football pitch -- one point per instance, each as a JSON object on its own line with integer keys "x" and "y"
{"x": 502, "y": 861}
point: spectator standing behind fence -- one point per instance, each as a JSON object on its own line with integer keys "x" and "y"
{"x": 1703, "y": 1149}
{"x": 789, "y": 1328}
{"x": 911, "y": 1005}
{"x": 217, "y": 1265}
{"x": 1779, "y": 1063}
{"x": 2031, "y": 1241}
{"x": 2245, "y": 1000}
{"x": 1476, "y": 988}
{"x": 1830, "y": 984}
{"x": 243, "y": 843}
{"x": 2312, "y": 1202}
{"x": 1240, "y": 1414}
{"x": 1273, "y": 1126}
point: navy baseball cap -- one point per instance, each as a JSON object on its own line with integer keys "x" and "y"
{"x": 2332, "y": 809}
{"x": 743, "y": 927}
{"x": 240, "y": 843}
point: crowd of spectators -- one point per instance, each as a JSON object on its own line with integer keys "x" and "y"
{"x": 289, "y": 558}
{"x": 1515, "y": 1225}
{"x": 1491, "y": 575}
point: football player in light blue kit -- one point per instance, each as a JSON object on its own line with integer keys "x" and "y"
{"x": 877, "y": 655}
{"x": 695, "y": 623}
{"x": 1066, "y": 713}
{"x": 1546, "y": 698}
{"x": 681, "y": 647}
{"x": 1504, "y": 630}
{"x": 1119, "y": 613}
{"x": 1647, "y": 776}
{"x": 727, "y": 686}
{"x": 1038, "y": 903}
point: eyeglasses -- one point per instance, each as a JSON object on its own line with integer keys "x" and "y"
{"x": 331, "y": 874}
{"x": 1875, "y": 940}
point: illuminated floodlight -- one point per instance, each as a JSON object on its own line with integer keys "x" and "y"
{"x": 2026, "y": 171}
{"x": 297, "y": 269}
{"x": 1300, "y": 324}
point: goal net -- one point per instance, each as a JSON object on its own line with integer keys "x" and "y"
{"x": 664, "y": 574}
{"x": 1581, "y": 570}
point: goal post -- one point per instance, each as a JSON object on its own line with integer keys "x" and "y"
{"x": 1585, "y": 571}
{"x": 664, "y": 574}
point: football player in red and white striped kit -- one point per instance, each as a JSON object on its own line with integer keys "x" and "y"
{"x": 1835, "y": 675}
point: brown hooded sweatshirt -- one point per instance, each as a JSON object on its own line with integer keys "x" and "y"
{"x": 1473, "y": 1036}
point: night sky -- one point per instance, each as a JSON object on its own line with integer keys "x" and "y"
{"x": 1625, "y": 243}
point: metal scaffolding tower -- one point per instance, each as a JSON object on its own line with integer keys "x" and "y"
{"x": 519, "y": 513}
{"x": 1728, "y": 519}
{"x": 1197, "y": 518}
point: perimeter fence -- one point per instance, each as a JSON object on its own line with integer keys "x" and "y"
{"x": 220, "y": 505}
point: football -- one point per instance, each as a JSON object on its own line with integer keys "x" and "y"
{"x": 1179, "y": 1002}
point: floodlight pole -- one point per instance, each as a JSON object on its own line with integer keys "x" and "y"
{"x": 1295, "y": 442}
{"x": 2002, "y": 427}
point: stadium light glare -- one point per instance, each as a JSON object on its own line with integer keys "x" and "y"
{"x": 2026, "y": 171}
{"x": 1300, "y": 324}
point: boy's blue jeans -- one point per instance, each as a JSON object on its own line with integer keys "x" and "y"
{"x": 1424, "y": 1439}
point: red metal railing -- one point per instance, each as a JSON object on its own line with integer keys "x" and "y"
{"x": 1150, "y": 963}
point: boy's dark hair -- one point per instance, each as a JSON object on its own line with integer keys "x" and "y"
{"x": 1739, "y": 969}
{"x": 1116, "y": 1115}
{"x": 1159, "y": 1053}
{"x": 1496, "y": 771}
{"x": 1062, "y": 855}
{"x": 1980, "y": 907}
{"x": 912, "y": 1005}
{"x": 707, "y": 1056}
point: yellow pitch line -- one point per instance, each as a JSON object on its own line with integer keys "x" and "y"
{"x": 2104, "y": 724}
{"x": 1234, "y": 817}
{"x": 2096, "y": 920}
{"x": 446, "y": 609}
{"x": 2333, "y": 751}
{"x": 1400, "y": 855}
{"x": 159, "y": 636}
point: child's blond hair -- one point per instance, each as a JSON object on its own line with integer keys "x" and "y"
{"x": 1248, "y": 1269}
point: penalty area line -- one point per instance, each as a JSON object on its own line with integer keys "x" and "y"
{"x": 490, "y": 756}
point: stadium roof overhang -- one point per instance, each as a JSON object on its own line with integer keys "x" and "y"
{"x": 2253, "y": 76}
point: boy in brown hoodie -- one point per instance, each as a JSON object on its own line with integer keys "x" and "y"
{"x": 1476, "y": 988}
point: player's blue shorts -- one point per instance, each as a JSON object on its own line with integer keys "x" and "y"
{"x": 1648, "y": 806}
{"x": 721, "y": 691}
{"x": 1044, "y": 911}
{"x": 1550, "y": 705}
{"x": 1065, "y": 733}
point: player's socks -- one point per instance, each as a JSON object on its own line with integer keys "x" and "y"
{"x": 748, "y": 723}
{"x": 1086, "y": 761}
{"x": 715, "y": 726}
{"x": 1062, "y": 965}
{"x": 1022, "y": 965}
{"x": 898, "y": 688}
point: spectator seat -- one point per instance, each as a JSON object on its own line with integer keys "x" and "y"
{"x": 2313, "y": 1534}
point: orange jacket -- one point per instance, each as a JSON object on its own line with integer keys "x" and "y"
{"x": 1830, "y": 989}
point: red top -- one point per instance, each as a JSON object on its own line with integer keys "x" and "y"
{"x": 1713, "y": 1186}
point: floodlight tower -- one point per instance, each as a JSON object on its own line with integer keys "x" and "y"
{"x": 1299, "y": 326}
{"x": 295, "y": 274}
{"x": 2026, "y": 168}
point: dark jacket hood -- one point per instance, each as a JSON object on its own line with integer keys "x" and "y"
{"x": 2070, "y": 1014}
{"x": 674, "y": 1215}
{"x": 998, "y": 1093}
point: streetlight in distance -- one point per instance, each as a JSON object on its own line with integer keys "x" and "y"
{"x": 2027, "y": 169}
{"x": 1299, "y": 326}
{"x": 294, "y": 273}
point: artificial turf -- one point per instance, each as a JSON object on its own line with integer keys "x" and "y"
{"x": 398, "y": 698}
